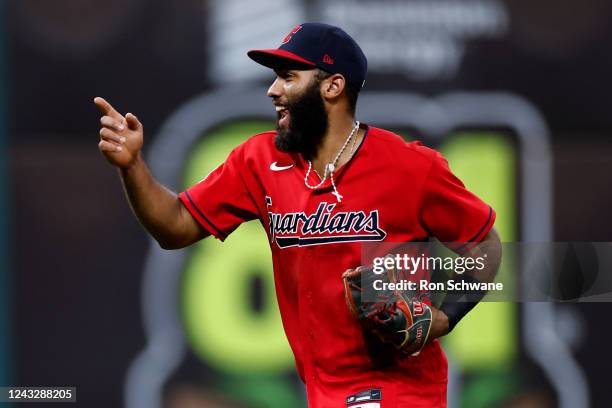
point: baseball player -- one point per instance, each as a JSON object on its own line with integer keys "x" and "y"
{"x": 322, "y": 184}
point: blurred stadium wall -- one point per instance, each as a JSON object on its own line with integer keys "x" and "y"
{"x": 92, "y": 302}
{"x": 6, "y": 363}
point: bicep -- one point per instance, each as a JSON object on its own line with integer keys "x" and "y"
{"x": 490, "y": 245}
{"x": 191, "y": 230}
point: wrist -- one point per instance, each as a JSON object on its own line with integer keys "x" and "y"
{"x": 133, "y": 165}
{"x": 440, "y": 323}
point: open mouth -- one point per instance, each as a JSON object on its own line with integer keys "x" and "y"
{"x": 283, "y": 116}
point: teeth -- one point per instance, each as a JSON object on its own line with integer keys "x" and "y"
{"x": 280, "y": 108}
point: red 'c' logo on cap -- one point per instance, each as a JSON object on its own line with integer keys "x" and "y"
{"x": 328, "y": 60}
{"x": 293, "y": 31}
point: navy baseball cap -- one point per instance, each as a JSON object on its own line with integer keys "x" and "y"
{"x": 317, "y": 45}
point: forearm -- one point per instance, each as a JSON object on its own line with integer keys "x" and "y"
{"x": 458, "y": 304}
{"x": 157, "y": 208}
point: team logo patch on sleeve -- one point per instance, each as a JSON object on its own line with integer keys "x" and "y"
{"x": 324, "y": 226}
{"x": 364, "y": 399}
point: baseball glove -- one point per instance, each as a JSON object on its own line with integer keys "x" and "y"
{"x": 396, "y": 317}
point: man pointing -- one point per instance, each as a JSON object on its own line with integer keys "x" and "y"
{"x": 323, "y": 184}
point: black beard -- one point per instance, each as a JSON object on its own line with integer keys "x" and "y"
{"x": 307, "y": 123}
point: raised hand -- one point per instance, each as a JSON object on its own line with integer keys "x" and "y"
{"x": 121, "y": 137}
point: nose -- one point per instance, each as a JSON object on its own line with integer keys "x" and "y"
{"x": 275, "y": 89}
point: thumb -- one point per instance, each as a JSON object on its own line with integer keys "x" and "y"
{"x": 133, "y": 122}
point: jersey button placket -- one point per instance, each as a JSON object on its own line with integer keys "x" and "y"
{"x": 310, "y": 285}
{"x": 305, "y": 301}
{"x": 309, "y": 252}
{"x": 311, "y": 336}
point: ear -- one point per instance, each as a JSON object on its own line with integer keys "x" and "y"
{"x": 333, "y": 86}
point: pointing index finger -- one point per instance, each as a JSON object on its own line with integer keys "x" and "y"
{"x": 106, "y": 108}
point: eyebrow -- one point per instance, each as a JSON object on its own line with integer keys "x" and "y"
{"x": 283, "y": 72}
{"x": 279, "y": 71}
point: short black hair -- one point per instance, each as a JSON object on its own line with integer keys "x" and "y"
{"x": 351, "y": 89}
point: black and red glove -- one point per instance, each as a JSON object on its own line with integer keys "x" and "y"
{"x": 396, "y": 317}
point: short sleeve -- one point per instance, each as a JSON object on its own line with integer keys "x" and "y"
{"x": 221, "y": 201}
{"x": 449, "y": 211}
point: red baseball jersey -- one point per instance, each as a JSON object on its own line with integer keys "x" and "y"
{"x": 393, "y": 191}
